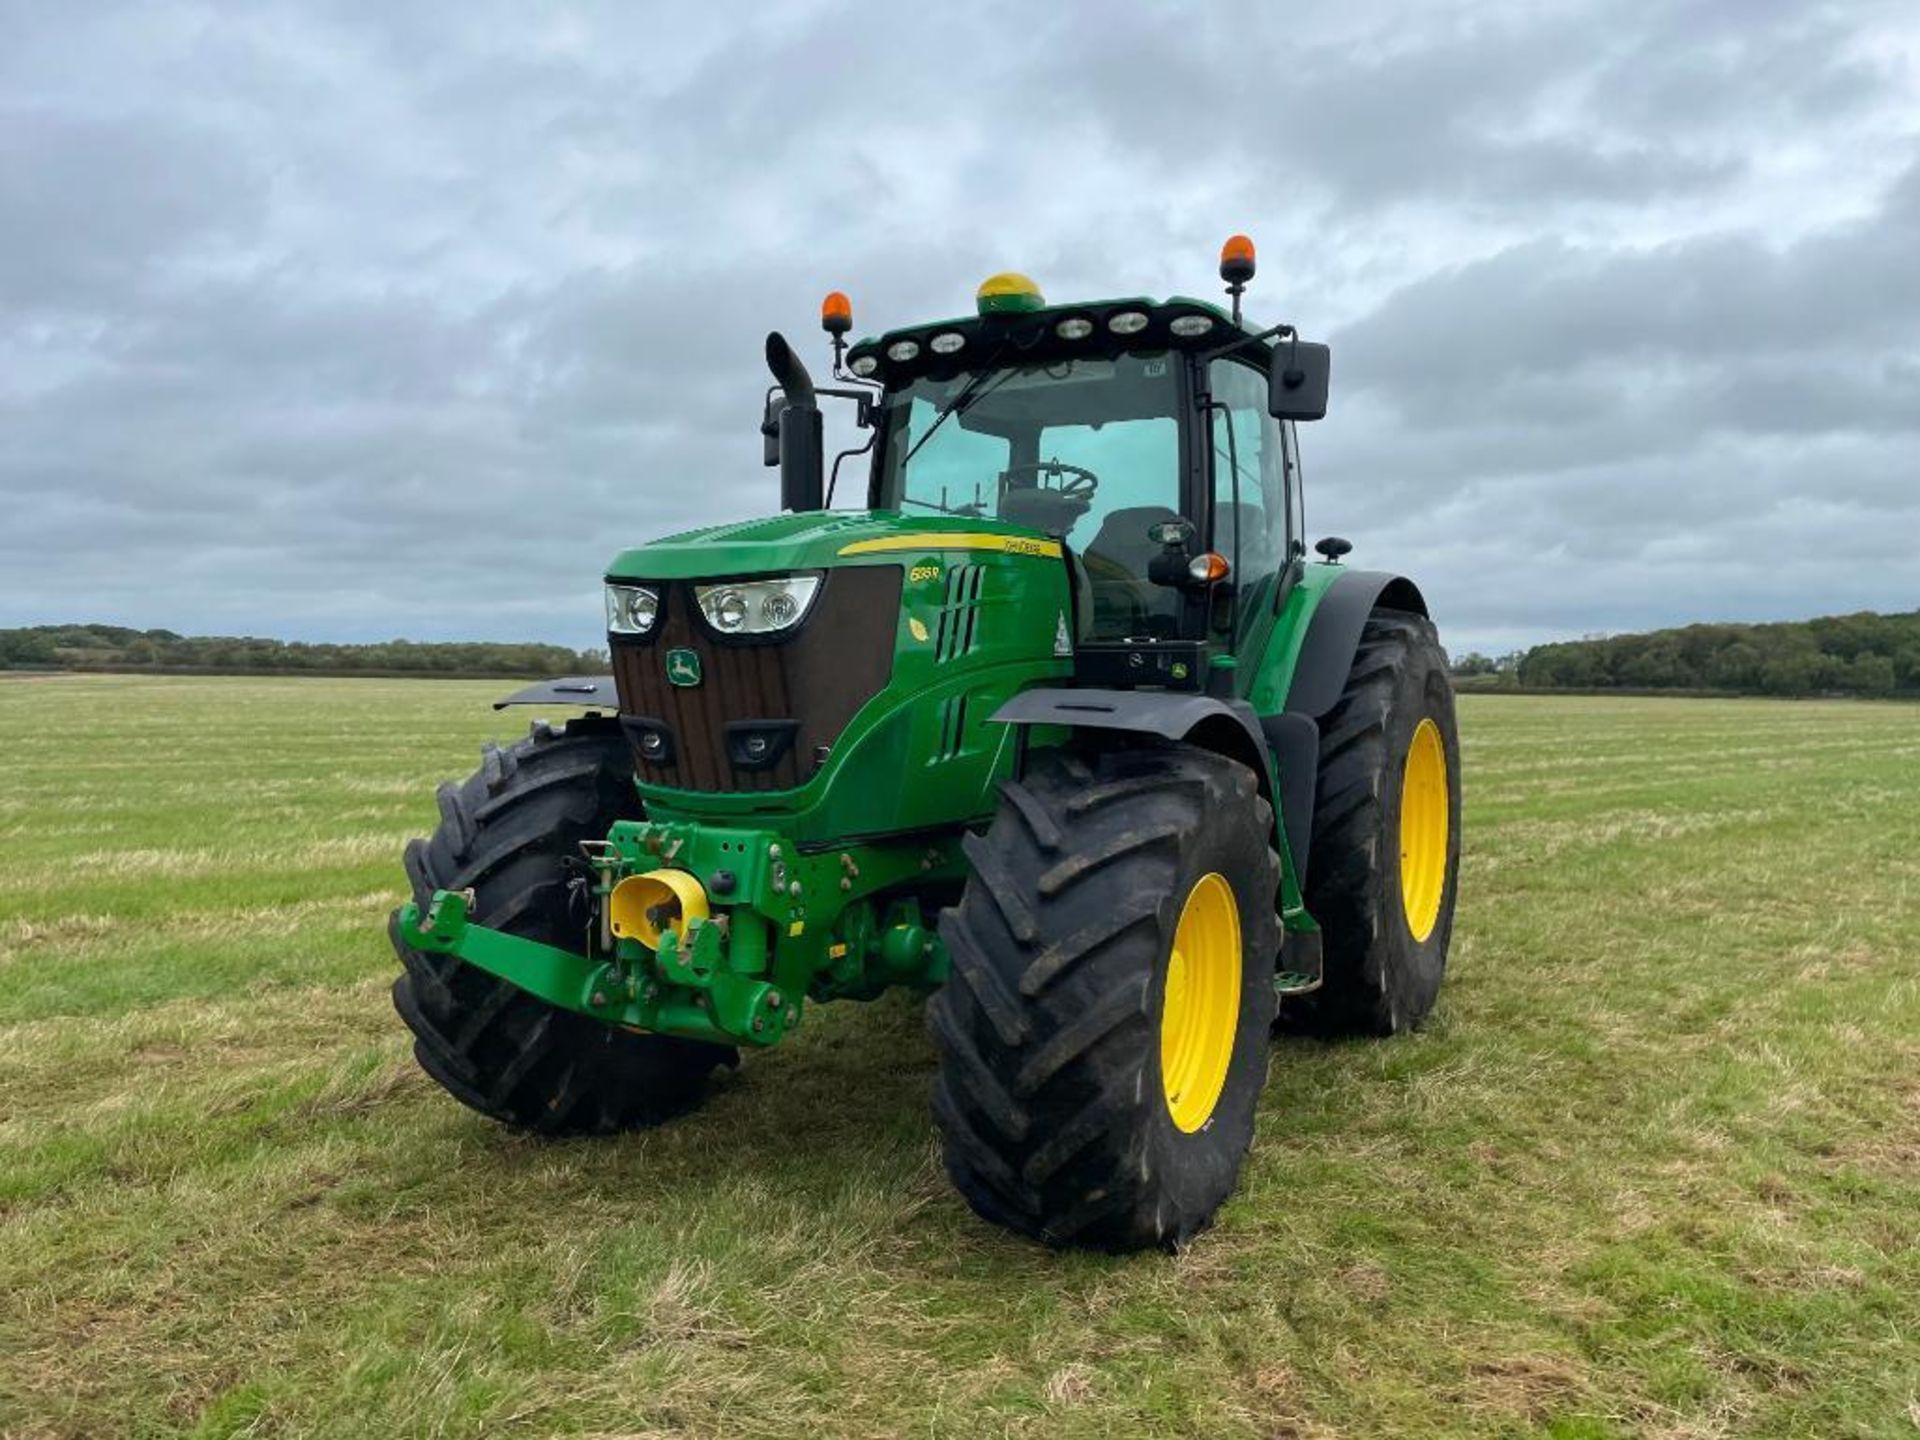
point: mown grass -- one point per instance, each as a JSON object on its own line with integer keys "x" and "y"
{"x": 1654, "y": 1169}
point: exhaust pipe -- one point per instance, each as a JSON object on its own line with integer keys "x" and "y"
{"x": 802, "y": 444}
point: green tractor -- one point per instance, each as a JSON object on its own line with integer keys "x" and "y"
{"x": 1062, "y": 727}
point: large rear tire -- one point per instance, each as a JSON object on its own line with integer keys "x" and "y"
{"x": 1103, "y": 1035}
{"x": 1385, "y": 857}
{"x": 510, "y": 833}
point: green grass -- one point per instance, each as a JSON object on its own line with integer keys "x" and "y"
{"x": 1654, "y": 1168}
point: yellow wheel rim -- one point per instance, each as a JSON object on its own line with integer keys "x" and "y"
{"x": 1202, "y": 1008}
{"x": 1423, "y": 830}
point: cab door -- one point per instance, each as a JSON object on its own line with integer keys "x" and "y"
{"x": 1248, "y": 458}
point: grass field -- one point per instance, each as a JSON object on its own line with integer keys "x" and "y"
{"x": 1654, "y": 1168}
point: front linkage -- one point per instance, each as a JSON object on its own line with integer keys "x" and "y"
{"x": 731, "y": 959}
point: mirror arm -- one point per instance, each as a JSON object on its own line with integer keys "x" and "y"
{"x": 1242, "y": 340}
{"x": 868, "y": 406}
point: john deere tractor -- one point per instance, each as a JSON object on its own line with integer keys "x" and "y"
{"x": 1060, "y": 726}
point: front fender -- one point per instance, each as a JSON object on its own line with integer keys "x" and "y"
{"x": 1228, "y": 727}
{"x": 583, "y": 692}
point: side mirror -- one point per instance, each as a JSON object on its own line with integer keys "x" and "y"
{"x": 770, "y": 430}
{"x": 1297, "y": 389}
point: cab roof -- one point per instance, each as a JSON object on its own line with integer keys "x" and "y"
{"x": 1092, "y": 328}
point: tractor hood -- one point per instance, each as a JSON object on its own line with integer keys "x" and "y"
{"x": 815, "y": 540}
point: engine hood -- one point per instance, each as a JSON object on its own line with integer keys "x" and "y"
{"x": 819, "y": 539}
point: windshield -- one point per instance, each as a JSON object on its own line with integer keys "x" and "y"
{"x": 1086, "y": 450}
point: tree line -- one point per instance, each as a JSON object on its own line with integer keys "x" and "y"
{"x": 1864, "y": 654}
{"x": 115, "y": 647}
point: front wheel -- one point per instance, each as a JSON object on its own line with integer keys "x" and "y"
{"x": 1103, "y": 1035}
{"x": 508, "y": 834}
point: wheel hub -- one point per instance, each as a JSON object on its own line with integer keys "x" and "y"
{"x": 1423, "y": 830}
{"x": 1201, "y": 1006}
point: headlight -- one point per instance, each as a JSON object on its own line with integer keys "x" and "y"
{"x": 631, "y": 610}
{"x": 755, "y": 607}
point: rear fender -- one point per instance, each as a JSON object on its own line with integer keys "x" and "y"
{"x": 1333, "y": 634}
{"x": 1319, "y": 679}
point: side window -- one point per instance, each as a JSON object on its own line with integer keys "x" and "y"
{"x": 1249, "y": 491}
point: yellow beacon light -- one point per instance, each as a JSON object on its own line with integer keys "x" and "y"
{"x": 1009, "y": 293}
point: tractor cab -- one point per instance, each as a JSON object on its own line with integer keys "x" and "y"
{"x": 1150, "y": 439}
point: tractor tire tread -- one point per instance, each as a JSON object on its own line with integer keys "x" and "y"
{"x": 506, "y": 833}
{"x": 1043, "y": 1121}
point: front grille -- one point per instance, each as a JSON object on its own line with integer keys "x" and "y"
{"x": 794, "y": 691}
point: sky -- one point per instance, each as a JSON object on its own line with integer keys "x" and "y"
{"x": 353, "y": 322}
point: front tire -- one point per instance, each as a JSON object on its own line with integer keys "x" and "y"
{"x": 1103, "y": 1035}
{"x": 509, "y": 833}
{"x": 1385, "y": 857}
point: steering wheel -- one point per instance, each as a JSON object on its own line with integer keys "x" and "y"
{"x": 1071, "y": 482}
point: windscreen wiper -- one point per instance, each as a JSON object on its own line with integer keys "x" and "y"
{"x": 969, "y": 393}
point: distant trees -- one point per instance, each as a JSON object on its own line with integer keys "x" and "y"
{"x": 1487, "y": 672}
{"x": 1863, "y": 654}
{"x": 114, "y": 647}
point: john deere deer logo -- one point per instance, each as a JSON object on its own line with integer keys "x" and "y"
{"x": 683, "y": 667}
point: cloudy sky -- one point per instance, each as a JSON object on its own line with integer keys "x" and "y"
{"x": 353, "y": 321}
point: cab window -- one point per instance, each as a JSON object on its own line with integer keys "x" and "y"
{"x": 1085, "y": 450}
{"x": 1249, "y": 485}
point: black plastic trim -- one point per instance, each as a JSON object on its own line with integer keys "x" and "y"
{"x": 1228, "y": 727}
{"x": 777, "y": 733}
{"x": 584, "y": 692}
{"x": 1295, "y": 741}
{"x": 639, "y": 727}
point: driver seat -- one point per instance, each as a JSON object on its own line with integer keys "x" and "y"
{"x": 1116, "y": 564}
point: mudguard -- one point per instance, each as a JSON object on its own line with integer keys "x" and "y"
{"x": 1229, "y": 727}
{"x": 1319, "y": 679}
{"x": 1333, "y": 634}
{"x": 583, "y": 692}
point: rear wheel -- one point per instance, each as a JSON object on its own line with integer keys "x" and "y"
{"x": 511, "y": 833}
{"x": 1103, "y": 1035}
{"x": 1385, "y": 856}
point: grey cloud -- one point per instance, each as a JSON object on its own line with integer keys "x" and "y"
{"x": 93, "y": 206}
{"x": 329, "y": 321}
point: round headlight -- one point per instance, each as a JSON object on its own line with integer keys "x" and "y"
{"x": 864, "y": 365}
{"x": 641, "y": 609}
{"x": 779, "y": 610}
{"x": 1192, "y": 325}
{"x": 1074, "y": 327}
{"x": 903, "y": 350}
{"x": 1128, "y": 322}
{"x": 729, "y": 610}
{"x": 946, "y": 342}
